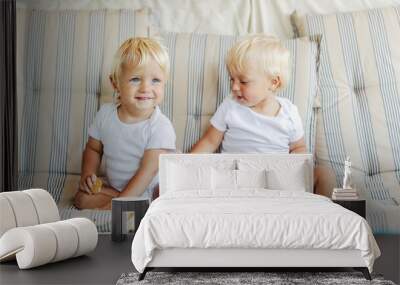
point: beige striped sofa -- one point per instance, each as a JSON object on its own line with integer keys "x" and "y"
{"x": 63, "y": 63}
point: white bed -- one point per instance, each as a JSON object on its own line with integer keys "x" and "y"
{"x": 216, "y": 211}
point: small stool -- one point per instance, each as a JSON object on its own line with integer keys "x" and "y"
{"x": 121, "y": 205}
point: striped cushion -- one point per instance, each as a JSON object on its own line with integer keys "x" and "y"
{"x": 360, "y": 102}
{"x": 60, "y": 59}
{"x": 199, "y": 82}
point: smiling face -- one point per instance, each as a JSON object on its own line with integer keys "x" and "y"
{"x": 251, "y": 86}
{"x": 141, "y": 87}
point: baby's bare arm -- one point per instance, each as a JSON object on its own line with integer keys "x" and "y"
{"x": 147, "y": 170}
{"x": 90, "y": 163}
{"x": 209, "y": 142}
{"x": 298, "y": 146}
{"x": 109, "y": 191}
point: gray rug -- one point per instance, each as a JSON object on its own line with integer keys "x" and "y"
{"x": 273, "y": 278}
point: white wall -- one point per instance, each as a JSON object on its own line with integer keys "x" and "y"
{"x": 220, "y": 16}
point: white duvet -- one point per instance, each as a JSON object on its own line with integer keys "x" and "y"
{"x": 253, "y": 218}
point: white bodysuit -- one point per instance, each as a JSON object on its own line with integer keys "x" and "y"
{"x": 247, "y": 131}
{"x": 124, "y": 144}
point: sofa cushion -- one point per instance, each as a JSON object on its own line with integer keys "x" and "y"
{"x": 199, "y": 82}
{"x": 60, "y": 58}
{"x": 359, "y": 76}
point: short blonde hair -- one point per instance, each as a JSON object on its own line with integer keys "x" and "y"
{"x": 137, "y": 52}
{"x": 267, "y": 51}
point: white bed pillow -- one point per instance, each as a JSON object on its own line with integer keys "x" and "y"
{"x": 228, "y": 179}
{"x": 280, "y": 174}
{"x": 182, "y": 177}
{"x": 223, "y": 179}
{"x": 251, "y": 178}
{"x": 292, "y": 179}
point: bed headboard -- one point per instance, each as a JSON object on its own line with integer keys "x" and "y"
{"x": 283, "y": 166}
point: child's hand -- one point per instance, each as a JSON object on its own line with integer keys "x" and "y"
{"x": 95, "y": 201}
{"x": 86, "y": 183}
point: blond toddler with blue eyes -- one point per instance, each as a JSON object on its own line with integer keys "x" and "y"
{"x": 253, "y": 119}
{"x": 131, "y": 134}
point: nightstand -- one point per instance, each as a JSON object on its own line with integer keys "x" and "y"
{"x": 126, "y": 204}
{"x": 357, "y": 206}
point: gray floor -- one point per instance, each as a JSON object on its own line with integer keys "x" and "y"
{"x": 102, "y": 266}
{"x": 110, "y": 260}
{"x": 389, "y": 262}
